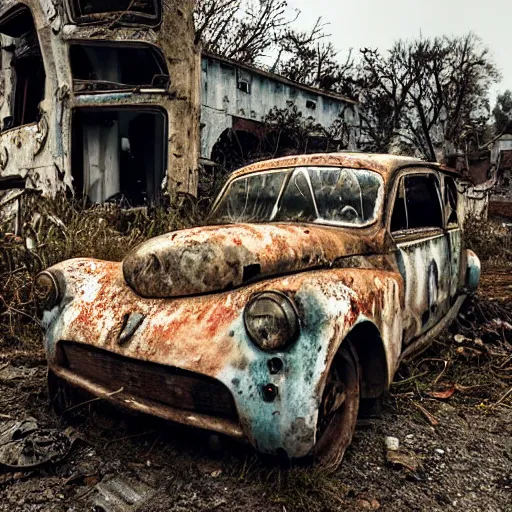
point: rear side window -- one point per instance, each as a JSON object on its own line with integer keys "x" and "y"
{"x": 417, "y": 203}
{"x": 450, "y": 201}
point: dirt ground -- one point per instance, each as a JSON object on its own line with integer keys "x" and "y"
{"x": 451, "y": 411}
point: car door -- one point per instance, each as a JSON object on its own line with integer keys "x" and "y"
{"x": 416, "y": 225}
{"x": 453, "y": 233}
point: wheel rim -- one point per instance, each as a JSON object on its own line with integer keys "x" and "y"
{"x": 337, "y": 414}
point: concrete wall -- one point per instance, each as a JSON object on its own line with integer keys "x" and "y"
{"x": 221, "y": 99}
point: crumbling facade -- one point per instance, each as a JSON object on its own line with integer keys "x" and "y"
{"x": 99, "y": 96}
{"x": 104, "y": 98}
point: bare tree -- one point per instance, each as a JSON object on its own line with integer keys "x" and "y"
{"x": 308, "y": 57}
{"x": 427, "y": 96}
{"x": 212, "y": 19}
{"x": 243, "y": 30}
{"x": 247, "y": 30}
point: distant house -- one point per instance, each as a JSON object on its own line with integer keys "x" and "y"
{"x": 500, "y": 201}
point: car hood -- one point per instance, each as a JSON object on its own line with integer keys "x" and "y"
{"x": 215, "y": 258}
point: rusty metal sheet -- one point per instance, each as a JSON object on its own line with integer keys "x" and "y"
{"x": 383, "y": 164}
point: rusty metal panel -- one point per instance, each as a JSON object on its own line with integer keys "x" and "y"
{"x": 215, "y": 258}
{"x": 205, "y": 334}
{"x": 383, "y": 164}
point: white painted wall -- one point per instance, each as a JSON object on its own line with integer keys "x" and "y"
{"x": 221, "y": 99}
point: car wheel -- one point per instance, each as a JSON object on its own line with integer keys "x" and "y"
{"x": 337, "y": 414}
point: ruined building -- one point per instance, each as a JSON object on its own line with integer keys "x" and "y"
{"x": 111, "y": 99}
{"x": 99, "y": 95}
{"x": 235, "y": 97}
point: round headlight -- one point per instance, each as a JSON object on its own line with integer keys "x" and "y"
{"x": 46, "y": 290}
{"x": 271, "y": 320}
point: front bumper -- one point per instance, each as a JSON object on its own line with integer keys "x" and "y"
{"x": 121, "y": 398}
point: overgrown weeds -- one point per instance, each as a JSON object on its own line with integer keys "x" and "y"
{"x": 54, "y": 230}
{"x": 490, "y": 240}
{"x": 469, "y": 363}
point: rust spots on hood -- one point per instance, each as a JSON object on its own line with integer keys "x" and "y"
{"x": 215, "y": 258}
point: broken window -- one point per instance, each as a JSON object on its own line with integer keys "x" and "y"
{"x": 244, "y": 86}
{"x": 450, "y": 201}
{"x": 327, "y": 195}
{"x": 345, "y": 195}
{"x": 311, "y": 104}
{"x": 119, "y": 155}
{"x": 297, "y": 202}
{"x": 27, "y": 67}
{"x": 148, "y": 12}
{"x": 253, "y": 198}
{"x": 417, "y": 203}
{"x": 243, "y": 81}
{"x": 97, "y": 67}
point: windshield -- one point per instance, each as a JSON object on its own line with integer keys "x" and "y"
{"x": 326, "y": 195}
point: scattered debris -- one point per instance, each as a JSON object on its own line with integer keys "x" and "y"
{"x": 10, "y": 373}
{"x": 402, "y": 459}
{"x": 392, "y": 443}
{"x": 365, "y": 504}
{"x": 121, "y": 493}
{"x": 24, "y": 446}
{"x": 430, "y": 417}
{"x": 444, "y": 394}
{"x": 212, "y": 468}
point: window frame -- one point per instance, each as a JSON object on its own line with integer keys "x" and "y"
{"x": 105, "y": 43}
{"x": 16, "y": 58}
{"x": 243, "y": 82}
{"x": 128, "y": 18}
{"x": 416, "y": 171}
{"x": 446, "y": 206}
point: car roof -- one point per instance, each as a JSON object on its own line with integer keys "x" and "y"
{"x": 385, "y": 165}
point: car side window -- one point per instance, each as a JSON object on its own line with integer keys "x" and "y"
{"x": 417, "y": 203}
{"x": 450, "y": 201}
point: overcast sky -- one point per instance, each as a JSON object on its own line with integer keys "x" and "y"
{"x": 377, "y": 23}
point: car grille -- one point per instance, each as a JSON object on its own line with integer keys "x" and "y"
{"x": 166, "y": 385}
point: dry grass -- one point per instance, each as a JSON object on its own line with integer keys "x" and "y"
{"x": 56, "y": 230}
{"x": 295, "y": 488}
{"x": 490, "y": 240}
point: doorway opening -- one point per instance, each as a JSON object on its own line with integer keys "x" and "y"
{"x": 119, "y": 155}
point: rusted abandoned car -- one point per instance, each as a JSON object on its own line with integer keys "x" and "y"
{"x": 317, "y": 275}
